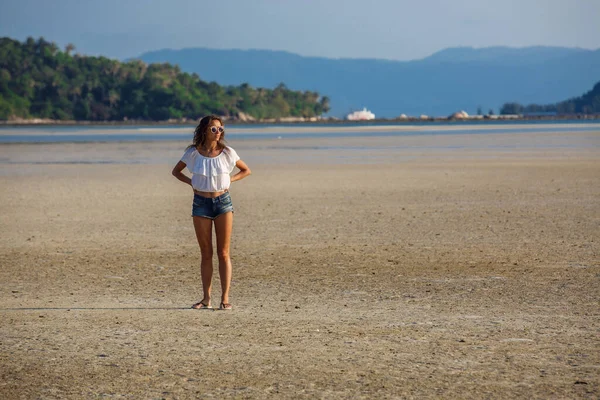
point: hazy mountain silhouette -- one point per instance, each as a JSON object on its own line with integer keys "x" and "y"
{"x": 449, "y": 80}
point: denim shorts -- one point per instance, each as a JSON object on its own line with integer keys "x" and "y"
{"x": 211, "y": 207}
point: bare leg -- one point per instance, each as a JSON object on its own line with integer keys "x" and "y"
{"x": 203, "y": 227}
{"x": 223, "y": 227}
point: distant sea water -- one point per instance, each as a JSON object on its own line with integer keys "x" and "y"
{"x": 161, "y": 133}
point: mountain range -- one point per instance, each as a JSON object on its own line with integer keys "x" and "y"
{"x": 453, "y": 79}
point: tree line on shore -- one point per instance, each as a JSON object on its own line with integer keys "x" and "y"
{"x": 39, "y": 80}
{"x": 588, "y": 103}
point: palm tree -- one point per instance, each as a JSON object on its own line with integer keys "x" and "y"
{"x": 69, "y": 48}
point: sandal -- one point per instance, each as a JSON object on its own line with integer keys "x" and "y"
{"x": 226, "y": 306}
{"x": 201, "y": 306}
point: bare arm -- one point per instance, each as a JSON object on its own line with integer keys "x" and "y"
{"x": 180, "y": 175}
{"x": 244, "y": 171}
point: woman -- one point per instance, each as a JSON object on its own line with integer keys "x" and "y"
{"x": 210, "y": 161}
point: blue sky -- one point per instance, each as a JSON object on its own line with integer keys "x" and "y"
{"x": 390, "y": 29}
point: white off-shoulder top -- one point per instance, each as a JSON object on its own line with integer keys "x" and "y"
{"x": 210, "y": 174}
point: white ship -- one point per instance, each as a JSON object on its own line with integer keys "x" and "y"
{"x": 362, "y": 115}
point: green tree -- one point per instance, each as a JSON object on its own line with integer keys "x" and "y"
{"x": 37, "y": 79}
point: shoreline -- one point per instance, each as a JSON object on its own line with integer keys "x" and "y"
{"x": 266, "y": 130}
{"x": 324, "y": 121}
{"x": 289, "y": 150}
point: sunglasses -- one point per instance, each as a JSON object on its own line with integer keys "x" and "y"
{"x": 215, "y": 129}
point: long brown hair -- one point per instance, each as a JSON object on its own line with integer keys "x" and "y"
{"x": 200, "y": 133}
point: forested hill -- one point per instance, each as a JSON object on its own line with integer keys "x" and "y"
{"x": 588, "y": 103}
{"x": 38, "y": 80}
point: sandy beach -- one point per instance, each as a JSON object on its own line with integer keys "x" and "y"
{"x": 440, "y": 266}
